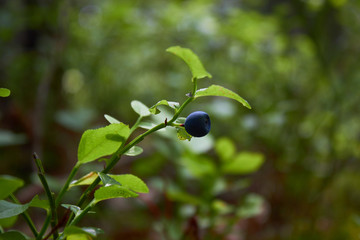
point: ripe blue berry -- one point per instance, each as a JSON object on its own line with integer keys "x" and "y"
{"x": 197, "y": 124}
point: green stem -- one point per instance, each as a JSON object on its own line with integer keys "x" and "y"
{"x": 45, "y": 226}
{"x": 133, "y": 128}
{"x": 48, "y": 192}
{"x": 67, "y": 183}
{"x": 82, "y": 214}
{"x": 26, "y": 216}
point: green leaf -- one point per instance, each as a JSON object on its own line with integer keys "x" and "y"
{"x": 140, "y": 108}
{"x": 225, "y": 148}
{"x": 199, "y": 166}
{"x": 4, "y": 92}
{"x": 147, "y": 125}
{"x": 8, "y": 222}
{"x": 79, "y": 236}
{"x": 113, "y": 191}
{"x": 85, "y": 180}
{"x": 8, "y": 185}
{"x": 13, "y": 235}
{"x": 8, "y": 138}
{"x": 9, "y": 209}
{"x": 134, "y": 151}
{"x": 38, "y": 203}
{"x": 181, "y": 196}
{"x": 180, "y": 120}
{"x": 126, "y": 180}
{"x": 96, "y": 143}
{"x": 107, "y": 180}
{"x": 244, "y": 163}
{"x": 88, "y": 231}
{"x": 191, "y": 59}
{"x": 252, "y": 206}
{"x": 75, "y": 209}
{"x": 132, "y": 182}
{"x": 110, "y": 119}
{"x": 182, "y": 134}
{"x": 216, "y": 90}
{"x": 155, "y": 110}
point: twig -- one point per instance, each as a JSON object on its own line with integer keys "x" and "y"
{"x": 48, "y": 192}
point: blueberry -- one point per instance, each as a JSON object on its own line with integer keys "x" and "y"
{"x": 197, "y": 124}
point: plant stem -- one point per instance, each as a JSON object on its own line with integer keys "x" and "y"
{"x": 82, "y": 214}
{"x": 67, "y": 183}
{"x": 48, "y": 192}
{"x": 133, "y": 128}
{"x": 45, "y": 226}
{"x": 26, "y": 216}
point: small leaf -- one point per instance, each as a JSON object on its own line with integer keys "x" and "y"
{"x": 80, "y": 236}
{"x": 8, "y": 222}
{"x": 96, "y": 143}
{"x": 252, "y": 206}
{"x": 87, "y": 231}
{"x": 181, "y": 196}
{"x": 198, "y": 165}
{"x": 147, "y": 125}
{"x": 13, "y": 235}
{"x": 225, "y": 148}
{"x": 155, "y": 110}
{"x": 134, "y": 151}
{"x": 75, "y": 209}
{"x": 182, "y": 134}
{"x": 107, "y": 180}
{"x": 140, "y": 108}
{"x": 192, "y": 60}
{"x": 132, "y": 182}
{"x": 113, "y": 191}
{"x": 8, "y": 138}
{"x": 180, "y": 120}
{"x": 38, "y": 203}
{"x": 216, "y": 90}
{"x": 110, "y": 119}
{"x": 8, "y": 185}
{"x": 244, "y": 163}
{"x": 9, "y": 209}
{"x": 85, "y": 180}
{"x": 4, "y": 92}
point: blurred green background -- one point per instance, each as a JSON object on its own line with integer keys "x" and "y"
{"x": 297, "y": 63}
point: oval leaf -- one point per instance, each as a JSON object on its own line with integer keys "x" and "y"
{"x": 9, "y": 185}
{"x": 132, "y": 182}
{"x": 225, "y": 148}
{"x": 96, "y": 143}
{"x": 244, "y": 163}
{"x": 216, "y": 90}
{"x": 155, "y": 110}
{"x": 13, "y": 235}
{"x": 85, "y": 180}
{"x": 110, "y": 119}
{"x": 9, "y": 209}
{"x": 182, "y": 134}
{"x": 4, "y": 92}
{"x": 134, "y": 151}
{"x": 191, "y": 59}
{"x": 90, "y": 231}
{"x": 113, "y": 191}
{"x": 140, "y": 108}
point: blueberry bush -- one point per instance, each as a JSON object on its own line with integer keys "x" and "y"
{"x": 115, "y": 140}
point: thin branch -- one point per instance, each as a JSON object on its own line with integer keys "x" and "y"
{"x": 48, "y": 192}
